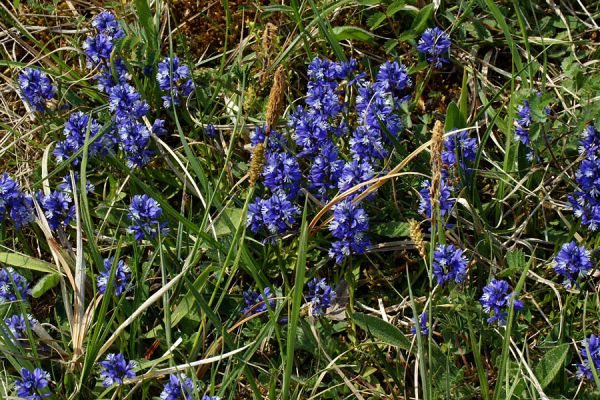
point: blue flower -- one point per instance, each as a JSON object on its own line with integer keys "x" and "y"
{"x": 522, "y": 125}
{"x": 278, "y": 213}
{"x": 319, "y": 295}
{"x": 572, "y": 262}
{"x": 210, "y": 131}
{"x": 115, "y": 369}
{"x": 449, "y": 263}
{"x": 593, "y": 349}
{"x": 121, "y": 278}
{"x": 207, "y": 397}
{"x": 276, "y": 140}
{"x": 134, "y": 139}
{"x": 17, "y": 326}
{"x": 422, "y": 322}
{"x": 311, "y": 129}
{"x": 590, "y": 139}
{"x": 144, "y": 213}
{"x": 282, "y": 173}
{"x": 175, "y": 78}
{"x": 126, "y": 103}
{"x": 12, "y": 200}
{"x": 76, "y": 128}
{"x": 354, "y": 173}
{"x": 435, "y": 42}
{"x": 97, "y": 50}
{"x": 21, "y": 211}
{"x": 445, "y": 201}
{"x": 349, "y": 225}
{"x": 257, "y": 302}
{"x": 32, "y": 384}
{"x": 36, "y": 88}
{"x": 178, "y": 387}
{"x": 326, "y": 170}
{"x": 366, "y": 144}
{"x": 392, "y": 77}
{"x": 65, "y": 185}
{"x": 254, "y": 219}
{"x": 586, "y": 201}
{"x": 158, "y": 127}
{"x": 112, "y": 74}
{"x": 106, "y": 23}
{"x": 58, "y": 208}
{"x": 496, "y": 301}
{"x": 458, "y": 149}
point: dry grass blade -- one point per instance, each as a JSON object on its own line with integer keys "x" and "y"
{"x": 182, "y": 367}
{"x": 59, "y": 260}
{"x": 79, "y": 288}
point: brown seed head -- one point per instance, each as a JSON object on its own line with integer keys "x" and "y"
{"x": 256, "y": 164}
{"x": 417, "y": 236}
{"x": 275, "y": 104}
{"x": 437, "y": 139}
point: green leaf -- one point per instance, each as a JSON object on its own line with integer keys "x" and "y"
{"x": 352, "y": 33}
{"x": 375, "y": 20}
{"x": 454, "y": 120}
{"x": 400, "y": 5}
{"x": 224, "y": 228}
{"x": 551, "y": 364}
{"x": 382, "y": 330}
{"x": 392, "y": 229}
{"x": 420, "y": 21}
{"x": 46, "y": 283}
{"x": 515, "y": 259}
{"x": 21, "y": 261}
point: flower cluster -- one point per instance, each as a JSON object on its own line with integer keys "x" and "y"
{"x": 445, "y": 200}
{"x": 58, "y": 208}
{"x": 449, "y": 263}
{"x": 349, "y": 226}
{"x": 98, "y": 50}
{"x": 125, "y": 102}
{"x": 144, "y": 213}
{"x": 459, "y": 148}
{"x": 589, "y": 348}
{"x": 422, "y": 323}
{"x": 76, "y": 128}
{"x": 586, "y": 201}
{"x": 522, "y": 125}
{"x": 319, "y": 296}
{"x": 257, "y": 302}
{"x": 121, "y": 277}
{"x": 572, "y": 262}
{"x": 13, "y": 286}
{"x": 115, "y": 369}
{"x": 179, "y": 387}
{"x": 276, "y": 213}
{"x": 496, "y": 301}
{"x": 378, "y": 105}
{"x": 320, "y": 129}
{"x": 17, "y": 326}
{"x": 33, "y": 384}
{"x": 36, "y": 88}
{"x": 14, "y": 202}
{"x": 435, "y": 43}
{"x": 174, "y": 77}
